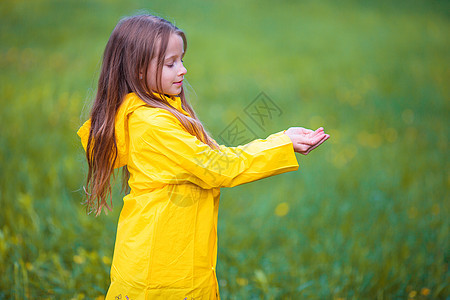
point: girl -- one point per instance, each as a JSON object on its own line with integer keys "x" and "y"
{"x": 166, "y": 243}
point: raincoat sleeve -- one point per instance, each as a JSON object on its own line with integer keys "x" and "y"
{"x": 211, "y": 168}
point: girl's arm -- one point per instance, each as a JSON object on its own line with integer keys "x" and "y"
{"x": 166, "y": 143}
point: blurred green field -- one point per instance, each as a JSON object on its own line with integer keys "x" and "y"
{"x": 366, "y": 216}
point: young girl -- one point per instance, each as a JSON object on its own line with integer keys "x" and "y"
{"x": 166, "y": 243}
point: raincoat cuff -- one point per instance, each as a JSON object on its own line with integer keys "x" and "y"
{"x": 284, "y": 139}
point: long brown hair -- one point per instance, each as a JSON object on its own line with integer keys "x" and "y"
{"x": 134, "y": 42}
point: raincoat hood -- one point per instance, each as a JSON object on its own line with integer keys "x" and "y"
{"x": 128, "y": 106}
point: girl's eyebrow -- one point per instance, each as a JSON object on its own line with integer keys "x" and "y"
{"x": 175, "y": 55}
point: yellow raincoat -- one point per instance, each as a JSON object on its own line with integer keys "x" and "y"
{"x": 166, "y": 243}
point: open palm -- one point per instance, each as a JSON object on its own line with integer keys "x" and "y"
{"x": 305, "y": 140}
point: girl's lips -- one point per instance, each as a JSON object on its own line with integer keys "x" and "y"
{"x": 179, "y": 82}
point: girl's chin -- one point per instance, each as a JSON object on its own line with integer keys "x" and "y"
{"x": 174, "y": 92}
{"x": 169, "y": 93}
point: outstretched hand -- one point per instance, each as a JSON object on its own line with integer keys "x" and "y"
{"x": 305, "y": 140}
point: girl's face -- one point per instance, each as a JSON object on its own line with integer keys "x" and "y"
{"x": 173, "y": 70}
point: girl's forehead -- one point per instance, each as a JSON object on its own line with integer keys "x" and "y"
{"x": 175, "y": 46}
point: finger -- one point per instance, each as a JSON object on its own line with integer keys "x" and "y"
{"x": 310, "y": 141}
{"x": 313, "y": 132}
{"x": 320, "y": 138}
{"x": 301, "y": 148}
{"x": 317, "y": 141}
{"x": 326, "y": 137}
{"x": 318, "y": 131}
{"x": 312, "y": 148}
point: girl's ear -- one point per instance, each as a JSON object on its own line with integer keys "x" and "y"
{"x": 141, "y": 75}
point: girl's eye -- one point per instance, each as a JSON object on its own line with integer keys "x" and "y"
{"x": 172, "y": 64}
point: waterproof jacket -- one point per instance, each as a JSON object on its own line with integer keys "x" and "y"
{"x": 166, "y": 242}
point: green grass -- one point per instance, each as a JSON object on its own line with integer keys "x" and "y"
{"x": 366, "y": 215}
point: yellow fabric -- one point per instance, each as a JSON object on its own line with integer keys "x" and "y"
{"x": 166, "y": 243}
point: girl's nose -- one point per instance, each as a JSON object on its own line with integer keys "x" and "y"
{"x": 183, "y": 70}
